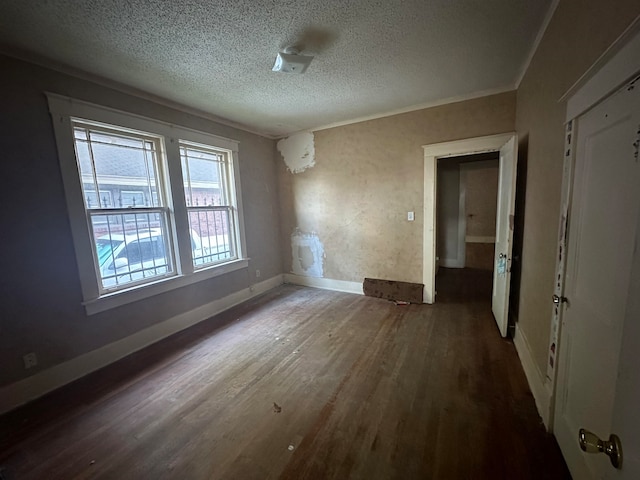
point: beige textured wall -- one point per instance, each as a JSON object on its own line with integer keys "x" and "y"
{"x": 479, "y": 255}
{"x": 481, "y": 196}
{"x": 367, "y": 176}
{"x": 577, "y": 35}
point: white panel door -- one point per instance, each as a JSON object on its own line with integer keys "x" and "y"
{"x": 602, "y": 237}
{"x": 504, "y": 233}
{"x": 626, "y": 421}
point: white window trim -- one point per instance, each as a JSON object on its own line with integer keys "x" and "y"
{"x": 62, "y": 109}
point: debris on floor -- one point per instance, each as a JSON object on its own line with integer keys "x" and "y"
{"x": 276, "y": 408}
{"x": 291, "y": 447}
{"x": 400, "y": 302}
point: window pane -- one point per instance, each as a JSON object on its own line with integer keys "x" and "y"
{"x": 131, "y": 247}
{"x": 203, "y": 179}
{"x": 123, "y": 167}
{"x": 132, "y": 199}
{"x": 211, "y": 238}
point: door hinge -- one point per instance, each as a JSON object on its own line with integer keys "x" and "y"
{"x": 557, "y": 300}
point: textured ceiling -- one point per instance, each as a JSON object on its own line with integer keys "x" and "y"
{"x": 371, "y": 56}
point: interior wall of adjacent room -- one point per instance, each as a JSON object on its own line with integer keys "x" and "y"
{"x": 481, "y": 196}
{"x": 449, "y": 217}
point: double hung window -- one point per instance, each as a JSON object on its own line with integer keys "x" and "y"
{"x": 129, "y": 219}
{"x": 205, "y": 171}
{"x": 152, "y": 206}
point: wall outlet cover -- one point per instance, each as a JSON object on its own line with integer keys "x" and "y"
{"x": 30, "y": 360}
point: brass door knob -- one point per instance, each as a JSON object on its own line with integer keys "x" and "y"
{"x": 591, "y": 443}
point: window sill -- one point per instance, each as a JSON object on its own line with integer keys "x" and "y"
{"x": 123, "y": 297}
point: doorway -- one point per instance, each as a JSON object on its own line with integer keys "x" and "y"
{"x": 467, "y": 193}
{"x": 506, "y": 145}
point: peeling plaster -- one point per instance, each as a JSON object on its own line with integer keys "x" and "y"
{"x": 298, "y": 151}
{"x": 307, "y": 254}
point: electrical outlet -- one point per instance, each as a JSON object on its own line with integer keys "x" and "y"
{"x": 410, "y": 216}
{"x": 257, "y": 273}
{"x": 30, "y": 360}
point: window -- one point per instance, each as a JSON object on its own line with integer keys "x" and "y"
{"x": 152, "y": 206}
{"x": 110, "y": 160}
{"x": 205, "y": 172}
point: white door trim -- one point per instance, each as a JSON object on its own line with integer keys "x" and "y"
{"x": 550, "y": 378}
{"x": 432, "y": 153}
{"x": 616, "y": 66}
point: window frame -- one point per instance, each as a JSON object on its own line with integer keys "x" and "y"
{"x": 63, "y": 110}
{"x": 160, "y": 208}
{"x": 227, "y": 204}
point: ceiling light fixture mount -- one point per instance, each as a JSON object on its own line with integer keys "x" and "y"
{"x": 290, "y": 61}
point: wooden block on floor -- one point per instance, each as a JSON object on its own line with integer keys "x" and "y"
{"x": 393, "y": 290}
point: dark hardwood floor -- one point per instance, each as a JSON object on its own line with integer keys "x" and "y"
{"x": 301, "y": 383}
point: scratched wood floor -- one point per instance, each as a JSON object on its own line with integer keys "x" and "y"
{"x": 362, "y": 389}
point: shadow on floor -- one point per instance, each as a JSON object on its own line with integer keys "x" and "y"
{"x": 463, "y": 285}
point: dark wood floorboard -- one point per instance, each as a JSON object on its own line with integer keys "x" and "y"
{"x": 301, "y": 384}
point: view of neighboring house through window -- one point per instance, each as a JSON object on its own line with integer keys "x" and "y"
{"x": 129, "y": 217}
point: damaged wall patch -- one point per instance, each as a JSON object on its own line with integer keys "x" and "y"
{"x": 307, "y": 254}
{"x": 298, "y": 151}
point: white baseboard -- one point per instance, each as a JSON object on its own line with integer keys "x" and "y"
{"x": 539, "y": 388}
{"x": 324, "y": 283}
{"x": 30, "y": 388}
